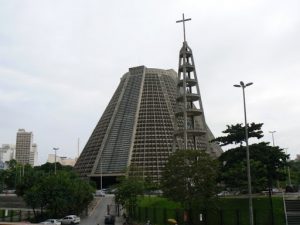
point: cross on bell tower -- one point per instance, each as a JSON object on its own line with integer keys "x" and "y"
{"x": 183, "y": 23}
{"x": 191, "y": 129}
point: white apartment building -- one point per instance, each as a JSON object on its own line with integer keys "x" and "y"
{"x": 7, "y": 152}
{"x": 33, "y": 156}
{"x": 65, "y": 161}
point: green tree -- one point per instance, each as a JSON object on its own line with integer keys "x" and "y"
{"x": 294, "y": 167}
{"x": 189, "y": 177}
{"x": 235, "y": 176}
{"x": 2, "y": 180}
{"x": 22, "y": 177}
{"x": 26, "y": 180}
{"x": 12, "y": 176}
{"x": 59, "y": 194}
{"x": 235, "y": 134}
{"x": 150, "y": 186}
{"x": 267, "y": 162}
{"x": 50, "y": 167}
{"x": 34, "y": 198}
{"x": 128, "y": 190}
{"x": 83, "y": 195}
{"x": 12, "y": 164}
{"x": 267, "y": 165}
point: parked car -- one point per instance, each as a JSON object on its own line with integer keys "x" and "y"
{"x": 9, "y": 192}
{"x": 273, "y": 191}
{"x": 109, "y": 219}
{"x": 223, "y": 193}
{"x": 104, "y": 190}
{"x": 51, "y": 221}
{"x": 155, "y": 192}
{"x": 70, "y": 219}
{"x": 100, "y": 193}
{"x": 111, "y": 190}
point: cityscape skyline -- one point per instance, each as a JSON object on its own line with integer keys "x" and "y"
{"x": 61, "y": 62}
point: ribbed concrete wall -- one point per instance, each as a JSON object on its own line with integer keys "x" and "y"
{"x": 136, "y": 128}
{"x": 89, "y": 154}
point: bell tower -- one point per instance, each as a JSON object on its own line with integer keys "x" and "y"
{"x": 191, "y": 130}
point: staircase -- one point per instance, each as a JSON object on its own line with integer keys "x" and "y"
{"x": 293, "y": 212}
{"x": 12, "y": 202}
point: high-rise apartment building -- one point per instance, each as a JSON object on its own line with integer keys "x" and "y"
{"x": 26, "y": 150}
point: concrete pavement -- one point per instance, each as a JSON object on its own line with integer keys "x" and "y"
{"x": 97, "y": 215}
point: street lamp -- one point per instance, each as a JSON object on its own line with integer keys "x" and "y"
{"x": 100, "y": 173}
{"x": 288, "y": 170}
{"x": 272, "y": 132}
{"x": 243, "y": 86}
{"x": 55, "y": 149}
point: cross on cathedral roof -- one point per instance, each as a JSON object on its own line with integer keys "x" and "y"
{"x": 183, "y": 22}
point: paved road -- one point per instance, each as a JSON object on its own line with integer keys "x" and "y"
{"x": 99, "y": 212}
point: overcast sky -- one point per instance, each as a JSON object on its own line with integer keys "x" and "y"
{"x": 61, "y": 61}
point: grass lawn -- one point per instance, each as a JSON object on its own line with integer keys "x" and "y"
{"x": 224, "y": 211}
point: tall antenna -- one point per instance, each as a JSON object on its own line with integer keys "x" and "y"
{"x": 78, "y": 141}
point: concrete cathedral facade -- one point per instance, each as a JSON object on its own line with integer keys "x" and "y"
{"x": 137, "y": 128}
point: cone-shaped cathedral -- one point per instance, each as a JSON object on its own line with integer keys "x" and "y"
{"x": 136, "y": 129}
{"x": 152, "y": 113}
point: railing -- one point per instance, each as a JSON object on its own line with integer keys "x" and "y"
{"x": 159, "y": 216}
{"x": 7, "y": 215}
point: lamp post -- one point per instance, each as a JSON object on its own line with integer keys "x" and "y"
{"x": 288, "y": 170}
{"x": 289, "y": 174}
{"x": 101, "y": 174}
{"x": 55, "y": 149}
{"x": 272, "y": 132}
{"x": 243, "y": 86}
